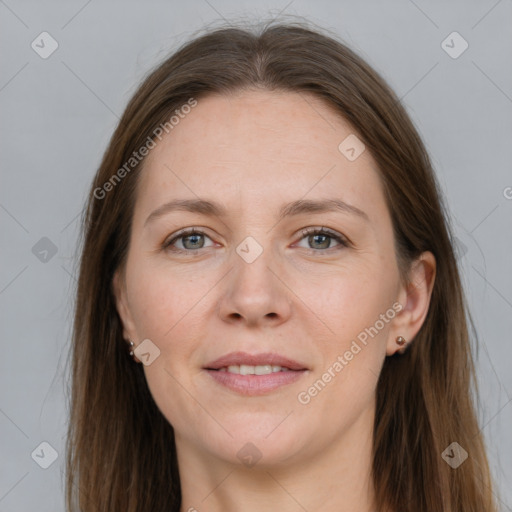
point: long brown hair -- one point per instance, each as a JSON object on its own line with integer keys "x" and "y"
{"x": 121, "y": 453}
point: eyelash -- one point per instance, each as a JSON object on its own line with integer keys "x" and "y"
{"x": 305, "y": 232}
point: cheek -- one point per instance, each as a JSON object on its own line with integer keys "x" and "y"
{"x": 167, "y": 311}
{"x": 356, "y": 305}
{"x": 344, "y": 385}
{"x": 348, "y": 300}
{"x": 163, "y": 302}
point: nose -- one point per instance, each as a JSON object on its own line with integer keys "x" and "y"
{"x": 255, "y": 292}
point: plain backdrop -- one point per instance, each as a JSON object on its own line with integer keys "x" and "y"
{"x": 58, "y": 113}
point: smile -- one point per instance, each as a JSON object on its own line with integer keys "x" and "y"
{"x": 246, "y": 369}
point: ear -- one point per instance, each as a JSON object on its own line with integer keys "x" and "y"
{"x": 123, "y": 309}
{"x": 415, "y": 297}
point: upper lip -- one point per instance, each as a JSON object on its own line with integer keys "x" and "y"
{"x": 239, "y": 358}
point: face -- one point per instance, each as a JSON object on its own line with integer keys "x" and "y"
{"x": 322, "y": 305}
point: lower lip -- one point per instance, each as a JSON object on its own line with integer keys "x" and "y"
{"x": 255, "y": 384}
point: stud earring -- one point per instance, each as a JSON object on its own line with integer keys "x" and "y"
{"x": 400, "y": 340}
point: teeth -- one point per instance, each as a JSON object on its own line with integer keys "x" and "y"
{"x": 245, "y": 369}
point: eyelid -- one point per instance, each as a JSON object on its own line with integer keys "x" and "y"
{"x": 181, "y": 234}
{"x": 314, "y": 230}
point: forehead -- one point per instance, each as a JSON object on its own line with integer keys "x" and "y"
{"x": 260, "y": 147}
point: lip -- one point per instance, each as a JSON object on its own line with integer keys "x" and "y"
{"x": 254, "y": 385}
{"x": 238, "y": 358}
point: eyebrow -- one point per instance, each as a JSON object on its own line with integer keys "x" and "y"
{"x": 299, "y": 207}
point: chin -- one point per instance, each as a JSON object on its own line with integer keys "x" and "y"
{"x": 257, "y": 445}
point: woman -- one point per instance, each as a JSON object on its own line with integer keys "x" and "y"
{"x": 269, "y": 312}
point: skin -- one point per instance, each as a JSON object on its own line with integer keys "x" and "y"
{"x": 301, "y": 297}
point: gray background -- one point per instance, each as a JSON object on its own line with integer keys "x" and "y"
{"x": 58, "y": 113}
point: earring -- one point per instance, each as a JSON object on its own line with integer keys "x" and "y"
{"x": 400, "y": 340}
{"x": 131, "y": 348}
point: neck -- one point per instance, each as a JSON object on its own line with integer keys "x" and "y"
{"x": 335, "y": 479}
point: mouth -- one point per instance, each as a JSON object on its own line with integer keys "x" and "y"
{"x": 258, "y": 374}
